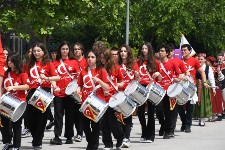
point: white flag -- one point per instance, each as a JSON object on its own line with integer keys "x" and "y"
{"x": 183, "y": 40}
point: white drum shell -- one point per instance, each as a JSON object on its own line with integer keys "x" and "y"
{"x": 45, "y": 96}
{"x": 122, "y": 103}
{"x": 12, "y": 107}
{"x": 179, "y": 92}
{"x": 137, "y": 92}
{"x": 97, "y": 104}
{"x": 71, "y": 88}
{"x": 156, "y": 93}
{"x": 191, "y": 88}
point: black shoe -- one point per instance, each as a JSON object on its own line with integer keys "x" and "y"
{"x": 37, "y": 147}
{"x": 188, "y": 130}
{"x": 69, "y": 141}
{"x": 182, "y": 129}
{"x": 166, "y": 136}
{"x": 219, "y": 118}
{"x": 119, "y": 143}
{"x": 56, "y": 141}
{"x": 171, "y": 134}
{"x": 50, "y": 125}
{"x": 7, "y": 146}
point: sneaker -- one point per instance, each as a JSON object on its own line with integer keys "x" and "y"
{"x": 142, "y": 140}
{"x": 182, "y": 129}
{"x": 166, "y": 136}
{"x": 56, "y": 141}
{"x": 25, "y": 133}
{"x": 126, "y": 143}
{"x": 15, "y": 148}
{"x": 188, "y": 130}
{"x": 7, "y": 146}
{"x": 148, "y": 141}
{"x": 201, "y": 124}
{"x": 50, "y": 125}
{"x": 78, "y": 138}
{"x": 171, "y": 134}
{"x": 37, "y": 147}
{"x": 119, "y": 143}
{"x": 69, "y": 141}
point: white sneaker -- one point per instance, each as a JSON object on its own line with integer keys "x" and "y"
{"x": 78, "y": 138}
{"x": 148, "y": 141}
{"x": 142, "y": 140}
{"x": 126, "y": 143}
{"x": 25, "y": 133}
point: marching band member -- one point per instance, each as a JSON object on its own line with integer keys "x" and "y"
{"x": 82, "y": 64}
{"x": 149, "y": 71}
{"x": 169, "y": 72}
{"x": 109, "y": 122}
{"x": 89, "y": 79}
{"x": 193, "y": 65}
{"x": 129, "y": 68}
{"x": 67, "y": 69}
{"x": 203, "y": 109}
{"x": 15, "y": 82}
{"x": 41, "y": 72}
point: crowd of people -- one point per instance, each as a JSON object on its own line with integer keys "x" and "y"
{"x": 102, "y": 74}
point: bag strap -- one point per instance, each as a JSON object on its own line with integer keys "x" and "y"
{"x": 64, "y": 67}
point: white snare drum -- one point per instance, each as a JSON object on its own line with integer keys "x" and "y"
{"x": 12, "y": 107}
{"x": 156, "y": 93}
{"x": 137, "y": 92}
{"x": 70, "y": 90}
{"x": 93, "y": 107}
{"x": 190, "y": 86}
{"x": 179, "y": 92}
{"x": 41, "y": 99}
{"x": 122, "y": 103}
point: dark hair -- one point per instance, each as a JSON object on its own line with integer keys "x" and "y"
{"x": 99, "y": 64}
{"x": 15, "y": 59}
{"x": 171, "y": 46}
{"x": 151, "y": 58}
{"x": 186, "y": 45}
{"x": 99, "y": 46}
{"x": 45, "y": 59}
{"x": 59, "y": 54}
{"x": 107, "y": 56}
{"x": 130, "y": 56}
{"x": 114, "y": 49}
{"x": 80, "y": 45}
{"x": 166, "y": 48}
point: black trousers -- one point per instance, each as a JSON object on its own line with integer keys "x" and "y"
{"x": 186, "y": 116}
{"x": 37, "y": 120}
{"x": 78, "y": 119}
{"x": 64, "y": 105}
{"x": 91, "y": 130}
{"x": 11, "y": 130}
{"x": 164, "y": 114}
{"x": 147, "y": 127}
{"x": 110, "y": 124}
{"x": 127, "y": 127}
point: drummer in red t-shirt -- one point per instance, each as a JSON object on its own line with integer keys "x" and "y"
{"x": 192, "y": 65}
{"x": 67, "y": 68}
{"x": 41, "y": 72}
{"x": 78, "y": 50}
{"x": 89, "y": 79}
{"x": 15, "y": 82}
{"x": 170, "y": 73}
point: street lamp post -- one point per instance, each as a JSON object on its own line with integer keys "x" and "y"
{"x": 127, "y": 22}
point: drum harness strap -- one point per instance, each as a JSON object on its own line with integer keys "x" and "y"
{"x": 148, "y": 72}
{"x": 64, "y": 67}
{"x": 92, "y": 82}
{"x": 36, "y": 71}
{"x": 125, "y": 68}
{"x": 164, "y": 69}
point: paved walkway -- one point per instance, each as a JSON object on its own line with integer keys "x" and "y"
{"x": 210, "y": 137}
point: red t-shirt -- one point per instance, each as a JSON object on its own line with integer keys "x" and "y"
{"x": 86, "y": 85}
{"x": 116, "y": 76}
{"x": 192, "y": 65}
{"x": 180, "y": 64}
{"x": 17, "y": 79}
{"x": 48, "y": 70}
{"x": 65, "y": 79}
{"x": 82, "y": 64}
{"x": 172, "y": 70}
{"x": 145, "y": 80}
{"x": 127, "y": 78}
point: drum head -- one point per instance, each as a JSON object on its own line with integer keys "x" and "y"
{"x": 71, "y": 88}
{"x": 19, "y": 112}
{"x": 131, "y": 87}
{"x": 174, "y": 89}
{"x": 117, "y": 99}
